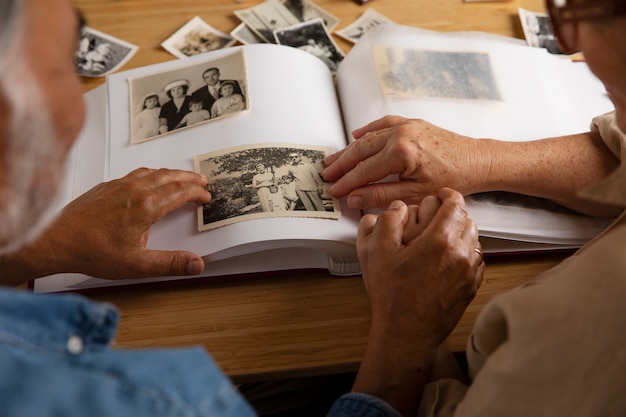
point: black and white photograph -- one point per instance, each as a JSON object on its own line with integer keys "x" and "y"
{"x": 538, "y": 31}
{"x": 100, "y": 54}
{"x": 368, "y": 20}
{"x": 196, "y": 37}
{"x": 263, "y": 19}
{"x": 312, "y": 37}
{"x": 436, "y": 74}
{"x": 262, "y": 181}
{"x": 245, "y": 35}
{"x": 164, "y": 102}
{"x": 306, "y": 10}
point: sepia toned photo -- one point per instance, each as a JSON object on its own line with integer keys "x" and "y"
{"x": 165, "y": 102}
{"x": 313, "y": 38}
{"x": 305, "y": 10}
{"x": 538, "y": 31}
{"x": 196, "y": 37}
{"x": 368, "y": 20}
{"x": 436, "y": 74}
{"x": 265, "y": 18}
{"x": 244, "y": 35}
{"x": 100, "y": 54}
{"x": 262, "y": 181}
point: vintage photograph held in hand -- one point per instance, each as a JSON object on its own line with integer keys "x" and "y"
{"x": 167, "y": 101}
{"x": 312, "y": 37}
{"x": 264, "y": 180}
{"x": 263, "y": 19}
{"x": 99, "y": 54}
{"x": 196, "y": 37}
{"x": 436, "y": 74}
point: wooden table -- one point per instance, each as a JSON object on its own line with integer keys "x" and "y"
{"x": 292, "y": 324}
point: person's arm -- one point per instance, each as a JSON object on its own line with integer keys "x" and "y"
{"x": 427, "y": 158}
{"x": 104, "y": 232}
{"x": 420, "y": 270}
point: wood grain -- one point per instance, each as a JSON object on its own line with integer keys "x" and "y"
{"x": 298, "y": 323}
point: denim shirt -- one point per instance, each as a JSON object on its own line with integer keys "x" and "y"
{"x": 55, "y": 360}
{"x": 362, "y": 405}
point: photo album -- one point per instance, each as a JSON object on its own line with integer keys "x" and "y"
{"x": 259, "y": 119}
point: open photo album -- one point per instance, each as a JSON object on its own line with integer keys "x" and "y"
{"x": 270, "y": 209}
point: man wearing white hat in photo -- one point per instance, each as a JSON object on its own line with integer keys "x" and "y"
{"x": 177, "y": 107}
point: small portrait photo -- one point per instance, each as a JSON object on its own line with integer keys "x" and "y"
{"x": 368, "y": 20}
{"x": 266, "y": 17}
{"x": 196, "y": 37}
{"x": 306, "y": 10}
{"x": 164, "y": 102}
{"x": 312, "y": 37}
{"x": 245, "y": 35}
{"x": 99, "y": 54}
{"x": 436, "y": 74}
{"x": 265, "y": 180}
{"x": 538, "y": 31}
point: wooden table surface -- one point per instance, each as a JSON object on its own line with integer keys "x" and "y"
{"x": 292, "y": 324}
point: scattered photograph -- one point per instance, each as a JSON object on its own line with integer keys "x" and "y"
{"x": 312, "y": 37}
{"x": 196, "y": 37}
{"x": 538, "y": 31}
{"x": 368, "y": 20}
{"x": 164, "y": 102}
{"x": 100, "y": 54}
{"x": 265, "y": 18}
{"x": 263, "y": 181}
{"x": 246, "y": 36}
{"x": 436, "y": 74}
{"x": 305, "y": 10}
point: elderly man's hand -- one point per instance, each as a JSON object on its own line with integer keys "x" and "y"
{"x": 103, "y": 233}
{"x": 424, "y": 157}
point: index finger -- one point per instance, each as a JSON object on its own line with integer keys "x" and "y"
{"x": 362, "y": 163}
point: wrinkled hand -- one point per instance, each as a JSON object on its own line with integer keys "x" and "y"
{"x": 104, "y": 232}
{"x": 423, "y": 156}
{"x": 420, "y": 267}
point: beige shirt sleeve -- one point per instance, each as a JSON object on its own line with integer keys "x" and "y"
{"x": 557, "y": 345}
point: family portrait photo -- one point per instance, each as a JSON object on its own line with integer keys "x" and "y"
{"x": 165, "y": 102}
{"x": 261, "y": 181}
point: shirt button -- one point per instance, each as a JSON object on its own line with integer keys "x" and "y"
{"x": 75, "y": 345}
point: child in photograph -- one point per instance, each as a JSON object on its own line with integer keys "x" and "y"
{"x": 228, "y": 102}
{"x": 196, "y": 115}
{"x": 147, "y": 121}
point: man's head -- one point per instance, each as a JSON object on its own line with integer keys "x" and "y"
{"x": 41, "y": 112}
{"x": 598, "y": 29}
{"x": 211, "y": 76}
{"x": 294, "y": 158}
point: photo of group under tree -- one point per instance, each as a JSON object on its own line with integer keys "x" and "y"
{"x": 261, "y": 181}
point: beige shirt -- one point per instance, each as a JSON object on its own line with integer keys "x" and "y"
{"x": 557, "y": 345}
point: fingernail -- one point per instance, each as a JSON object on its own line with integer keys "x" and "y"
{"x": 396, "y": 204}
{"x": 355, "y": 202}
{"x": 194, "y": 267}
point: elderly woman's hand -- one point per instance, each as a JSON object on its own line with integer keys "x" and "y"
{"x": 421, "y": 268}
{"x": 425, "y": 158}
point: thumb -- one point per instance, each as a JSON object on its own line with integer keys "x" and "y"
{"x": 164, "y": 263}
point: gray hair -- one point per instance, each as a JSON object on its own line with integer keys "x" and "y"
{"x": 10, "y": 17}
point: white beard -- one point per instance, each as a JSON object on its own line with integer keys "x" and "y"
{"x": 34, "y": 164}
